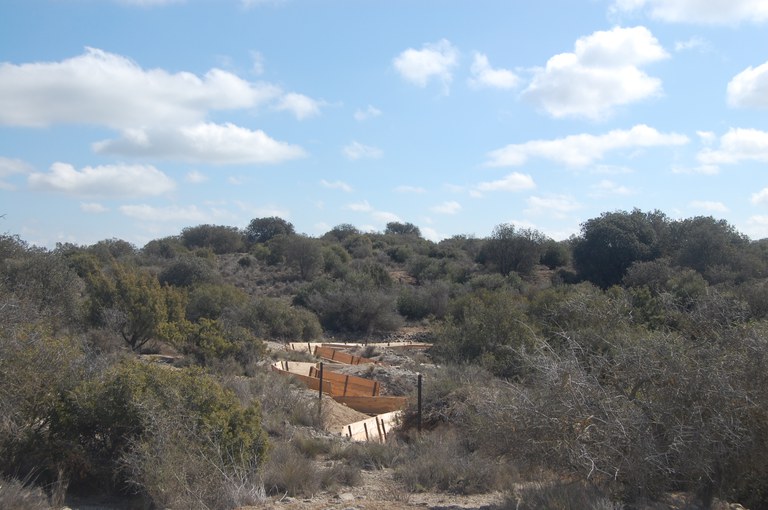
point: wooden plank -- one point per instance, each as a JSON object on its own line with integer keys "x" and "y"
{"x": 312, "y": 383}
{"x": 373, "y": 405}
{"x": 339, "y": 356}
{"x": 373, "y": 429}
{"x": 349, "y": 385}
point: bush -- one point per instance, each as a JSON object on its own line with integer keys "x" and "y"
{"x": 187, "y": 271}
{"x": 16, "y": 495}
{"x": 276, "y": 319}
{"x": 143, "y": 425}
{"x": 210, "y": 301}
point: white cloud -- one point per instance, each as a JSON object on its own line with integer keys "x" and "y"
{"x": 9, "y": 167}
{"x": 706, "y": 137}
{"x": 102, "y": 88}
{"x": 357, "y": 150}
{"x": 761, "y": 197}
{"x": 512, "y": 182}
{"x": 602, "y": 73}
{"x": 557, "y": 206}
{"x": 749, "y": 88}
{"x": 447, "y": 208}
{"x": 103, "y": 181}
{"x": 171, "y": 214}
{"x": 202, "y": 143}
{"x": 93, "y": 208}
{"x": 709, "y": 12}
{"x": 363, "y": 206}
{"x": 736, "y": 146}
{"x": 583, "y": 149}
{"x": 300, "y": 105}
{"x": 343, "y": 186}
{"x": 385, "y": 216}
{"x": 195, "y": 177}
{"x": 697, "y": 170}
{"x": 435, "y": 60}
{"x": 709, "y": 206}
{"x": 607, "y": 188}
{"x": 483, "y": 75}
{"x": 694, "y": 43}
{"x": 369, "y": 113}
{"x": 257, "y": 62}
{"x": 410, "y": 189}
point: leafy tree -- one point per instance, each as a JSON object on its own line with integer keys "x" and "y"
{"x": 164, "y": 248}
{"x": 555, "y": 254}
{"x": 112, "y": 249}
{"x": 405, "y": 229}
{"x": 608, "y": 245}
{"x": 220, "y": 239}
{"x": 305, "y": 255}
{"x": 186, "y": 271}
{"x": 510, "y": 249}
{"x": 133, "y": 303}
{"x": 262, "y": 230}
{"x": 706, "y": 244}
{"x": 340, "y": 232}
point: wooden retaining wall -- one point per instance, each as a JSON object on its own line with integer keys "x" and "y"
{"x": 373, "y": 429}
{"x": 347, "y": 385}
{"x": 373, "y": 405}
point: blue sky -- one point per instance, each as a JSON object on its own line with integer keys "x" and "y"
{"x": 133, "y": 119}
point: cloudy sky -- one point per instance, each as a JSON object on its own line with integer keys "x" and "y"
{"x": 133, "y": 119}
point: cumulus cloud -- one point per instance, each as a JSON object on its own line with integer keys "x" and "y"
{"x": 483, "y": 75}
{"x": 363, "y": 206}
{"x": 557, "y": 206}
{"x": 109, "y": 181}
{"x": 512, "y": 182}
{"x": 301, "y": 106}
{"x": 433, "y": 61}
{"x": 369, "y": 113}
{"x": 410, "y": 189}
{"x": 357, "y": 150}
{"x": 171, "y": 213}
{"x": 761, "y": 197}
{"x": 343, "y": 186}
{"x": 222, "y": 144}
{"x": 9, "y": 167}
{"x": 749, "y": 88}
{"x": 736, "y": 146}
{"x": 102, "y": 88}
{"x": 709, "y": 206}
{"x": 447, "y": 208}
{"x": 711, "y": 12}
{"x": 583, "y": 149}
{"x": 93, "y": 207}
{"x": 608, "y": 188}
{"x": 195, "y": 177}
{"x": 602, "y": 72}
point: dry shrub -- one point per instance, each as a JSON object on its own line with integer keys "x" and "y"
{"x": 18, "y": 495}
{"x": 560, "y": 496}
{"x": 442, "y": 461}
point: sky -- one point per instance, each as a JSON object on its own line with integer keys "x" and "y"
{"x": 133, "y": 119}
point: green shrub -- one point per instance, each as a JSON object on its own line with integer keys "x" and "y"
{"x": 210, "y": 301}
{"x": 187, "y": 271}
{"x": 110, "y": 429}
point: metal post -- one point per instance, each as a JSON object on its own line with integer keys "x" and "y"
{"x": 418, "y": 408}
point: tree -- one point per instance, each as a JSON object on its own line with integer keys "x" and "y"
{"x": 510, "y": 249}
{"x": 133, "y": 303}
{"x": 220, "y": 239}
{"x": 340, "y": 232}
{"x": 305, "y": 255}
{"x": 704, "y": 244}
{"x": 261, "y": 230}
{"x": 608, "y": 245}
{"x": 406, "y": 229}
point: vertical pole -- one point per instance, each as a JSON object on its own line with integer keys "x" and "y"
{"x": 418, "y": 408}
{"x": 320, "y": 401}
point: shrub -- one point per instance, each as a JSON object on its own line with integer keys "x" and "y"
{"x": 276, "y": 319}
{"x": 187, "y": 271}
{"x": 210, "y": 301}
{"x": 142, "y": 424}
{"x": 17, "y": 495}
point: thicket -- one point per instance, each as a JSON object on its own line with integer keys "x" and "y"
{"x": 629, "y": 360}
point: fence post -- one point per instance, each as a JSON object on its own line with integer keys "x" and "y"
{"x": 320, "y": 401}
{"x": 418, "y": 405}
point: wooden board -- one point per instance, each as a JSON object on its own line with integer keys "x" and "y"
{"x": 374, "y": 429}
{"x": 313, "y": 383}
{"x": 338, "y": 356}
{"x": 373, "y": 405}
{"x": 348, "y": 385}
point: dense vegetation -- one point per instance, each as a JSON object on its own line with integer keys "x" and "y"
{"x": 632, "y": 357}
